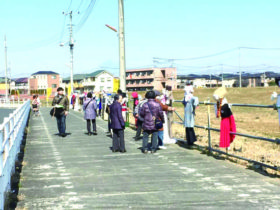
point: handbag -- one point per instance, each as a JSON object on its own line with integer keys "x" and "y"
{"x": 158, "y": 122}
{"x": 57, "y": 112}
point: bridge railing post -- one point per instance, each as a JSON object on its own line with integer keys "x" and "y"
{"x": 209, "y": 126}
{"x": 170, "y": 122}
{"x": 1, "y": 151}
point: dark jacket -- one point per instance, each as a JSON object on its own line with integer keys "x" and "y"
{"x": 149, "y": 123}
{"x": 64, "y": 102}
{"x": 117, "y": 121}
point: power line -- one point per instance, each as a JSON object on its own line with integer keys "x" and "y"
{"x": 69, "y": 6}
{"x": 216, "y": 54}
{"x": 88, "y": 12}
{"x": 80, "y": 5}
{"x": 196, "y": 58}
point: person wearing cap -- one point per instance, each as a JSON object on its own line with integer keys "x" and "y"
{"x": 89, "y": 107}
{"x": 61, "y": 103}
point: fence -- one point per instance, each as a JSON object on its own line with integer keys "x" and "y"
{"x": 209, "y": 129}
{"x": 11, "y": 102}
{"x": 11, "y": 135}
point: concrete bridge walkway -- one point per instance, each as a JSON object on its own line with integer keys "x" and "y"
{"x": 81, "y": 172}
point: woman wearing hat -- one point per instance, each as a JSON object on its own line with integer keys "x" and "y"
{"x": 89, "y": 108}
{"x": 223, "y": 110}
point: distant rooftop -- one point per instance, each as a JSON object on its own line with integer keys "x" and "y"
{"x": 79, "y": 77}
{"x": 44, "y": 72}
{"x": 228, "y": 76}
{"x": 21, "y": 80}
{"x": 2, "y": 79}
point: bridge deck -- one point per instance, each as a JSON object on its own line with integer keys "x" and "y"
{"x": 81, "y": 172}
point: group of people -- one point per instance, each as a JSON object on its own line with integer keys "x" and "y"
{"x": 149, "y": 112}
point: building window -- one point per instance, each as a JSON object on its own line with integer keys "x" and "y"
{"x": 54, "y": 85}
{"x": 54, "y": 77}
{"x": 109, "y": 80}
{"x": 102, "y": 80}
{"x": 101, "y": 88}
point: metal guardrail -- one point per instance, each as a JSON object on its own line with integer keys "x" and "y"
{"x": 209, "y": 128}
{"x": 11, "y": 102}
{"x": 11, "y": 135}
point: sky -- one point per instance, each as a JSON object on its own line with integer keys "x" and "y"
{"x": 172, "y": 29}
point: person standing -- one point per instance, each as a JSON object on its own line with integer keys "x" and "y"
{"x": 35, "y": 105}
{"x": 117, "y": 124}
{"x": 61, "y": 104}
{"x": 149, "y": 112}
{"x": 165, "y": 108}
{"x": 139, "y": 119}
{"x": 190, "y": 103}
{"x": 89, "y": 107}
{"x": 124, "y": 106}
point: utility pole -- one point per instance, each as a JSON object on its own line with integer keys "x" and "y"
{"x": 122, "y": 47}
{"x": 222, "y": 74}
{"x": 6, "y": 69}
{"x": 240, "y": 81}
{"x": 71, "y": 45}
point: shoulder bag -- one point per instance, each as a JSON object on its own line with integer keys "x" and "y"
{"x": 158, "y": 122}
{"x": 57, "y": 112}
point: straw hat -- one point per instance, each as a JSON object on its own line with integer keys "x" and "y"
{"x": 219, "y": 93}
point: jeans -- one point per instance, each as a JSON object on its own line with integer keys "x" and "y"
{"x": 139, "y": 128}
{"x": 61, "y": 124}
{"x": 118, "y": 140}
{"x": 160, "y": 138}
{"x": 93, "y": 125}
{"x": 154, "y": 140}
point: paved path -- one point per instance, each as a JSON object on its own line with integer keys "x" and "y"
{"x": 80, "y": 172}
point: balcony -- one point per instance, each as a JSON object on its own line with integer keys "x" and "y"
{"x": 139, "y": 85}
{"x": 145, "y": 76}
{"x": 91, "y": 83}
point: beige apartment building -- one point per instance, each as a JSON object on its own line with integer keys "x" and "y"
{"x": 151, "y": 78}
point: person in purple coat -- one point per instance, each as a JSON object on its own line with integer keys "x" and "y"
{"x": 89, "y": 107}
{"x": 149, "y": 121}
{"x": 117, "y": 124}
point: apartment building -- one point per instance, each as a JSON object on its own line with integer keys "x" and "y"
{"x": 19, "y": 86}
{"x": 151, "y": 78}
{"x": 41, "y": 80}
{"x": 96, "y": 81}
